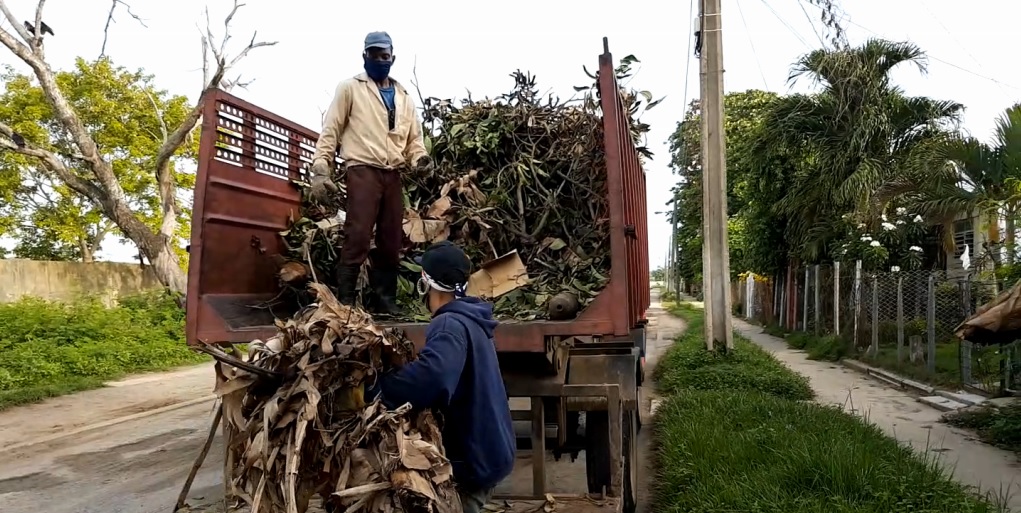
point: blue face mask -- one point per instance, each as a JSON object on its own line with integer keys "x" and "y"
{"x": 377, "y": 70}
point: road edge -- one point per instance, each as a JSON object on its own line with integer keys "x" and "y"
{"x": 106, "y": 423}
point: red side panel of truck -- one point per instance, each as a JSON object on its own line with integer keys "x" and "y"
{"x": 250, "y": 162}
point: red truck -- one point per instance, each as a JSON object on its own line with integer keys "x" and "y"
{"x": 581, "y": 375}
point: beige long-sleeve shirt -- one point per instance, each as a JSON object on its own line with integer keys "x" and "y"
{"x": 357, "y": 121}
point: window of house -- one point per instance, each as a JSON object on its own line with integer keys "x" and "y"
{"x": 964, "y": 237}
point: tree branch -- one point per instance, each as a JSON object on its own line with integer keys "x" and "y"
{"x": 173, "y": 142}
{"x": 18, "y": 27}
{"x": 211, "y": 82}
{"x": 109, "y": 20}
{"x": 51, "y": 162}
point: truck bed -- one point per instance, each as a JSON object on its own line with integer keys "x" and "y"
{"x": 250, "y": 164}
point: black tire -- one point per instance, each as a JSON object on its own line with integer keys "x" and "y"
{"x": 597, "y": 451}
{"x": 629, "y": 492}
{"x": 597, "y": 455}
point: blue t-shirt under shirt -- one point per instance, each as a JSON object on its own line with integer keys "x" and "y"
{"x": 387, "y": 94}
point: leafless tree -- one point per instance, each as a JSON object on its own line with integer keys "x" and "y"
{"x": 99, "y": 183}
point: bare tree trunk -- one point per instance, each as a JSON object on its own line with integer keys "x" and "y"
{"x": 86, "y": 249}
{"x": 103, "y": 187}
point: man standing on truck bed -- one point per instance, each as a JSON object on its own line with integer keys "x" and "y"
{"x": 457, "y": 374}
{"x": 372, "y": 118}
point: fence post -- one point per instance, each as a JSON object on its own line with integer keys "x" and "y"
{"x": 930, "y": 325}
{"x": 900, "y": 318}
{"x": 965, "y": 347}
{"x": 782, "y": 283}
{"x": 836, "y": 298}
{"x": 818, "y": 304}
{"x": 749, "y": 293}
{"x": 857, "y": 299}
{"x": 874, "y": 347}
{"x": 804, "y": 313}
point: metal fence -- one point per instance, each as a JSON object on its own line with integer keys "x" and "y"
{"x": 902, "y": 320}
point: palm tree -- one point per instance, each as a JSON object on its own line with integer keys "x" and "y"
{"x": 962, "y": 175}
{"x": 853, "y": 136}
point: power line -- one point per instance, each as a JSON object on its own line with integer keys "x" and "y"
{"x": 954, "y": 38}
{"x": 790, "y": 28}
{"x": 687, "y": 61}
{"x": 752, "y": 43}
{"x": 811, "y": 23}
{"x": 937, "y": 59}
{"x": 672, "y": 255}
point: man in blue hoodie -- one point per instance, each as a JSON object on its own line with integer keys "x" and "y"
{"x": 457, "y": 374}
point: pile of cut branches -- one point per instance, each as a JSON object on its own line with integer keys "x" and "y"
{"x": 299, "y": 425}
{"x": 523, "y": 172}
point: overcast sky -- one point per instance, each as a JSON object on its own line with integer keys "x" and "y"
{"x": 461, "y": 45}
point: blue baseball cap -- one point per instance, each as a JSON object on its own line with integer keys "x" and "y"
{"x": 378, "y": 40}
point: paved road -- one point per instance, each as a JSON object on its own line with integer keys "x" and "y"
{"x": 138, "y": 466}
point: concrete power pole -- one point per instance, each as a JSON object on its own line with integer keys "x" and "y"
{"x": 715, "y": 251}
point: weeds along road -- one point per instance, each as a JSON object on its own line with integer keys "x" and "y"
{"x": 138, "y": 465}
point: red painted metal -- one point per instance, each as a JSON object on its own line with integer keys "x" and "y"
{"x": 249, "y": 163}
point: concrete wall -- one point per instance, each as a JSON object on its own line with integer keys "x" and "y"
{"x": 66, "y": 280}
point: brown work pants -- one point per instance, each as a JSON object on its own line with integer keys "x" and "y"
{"x": 374, "y": 197}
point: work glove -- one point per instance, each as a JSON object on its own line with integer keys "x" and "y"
{"x": 425, "y": 164}
{"x": 323, "y": 189}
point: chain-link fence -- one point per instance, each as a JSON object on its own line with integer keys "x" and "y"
{"x": 902, "y": 320}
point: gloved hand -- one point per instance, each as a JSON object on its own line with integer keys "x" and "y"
{"x": 425, "y": 164}
{"x": 350, "y": 398}
{"x": 323, "y": 189}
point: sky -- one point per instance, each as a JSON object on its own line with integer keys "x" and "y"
{"x": 459, "y": 46}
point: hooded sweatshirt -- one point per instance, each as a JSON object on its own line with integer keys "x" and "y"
{"x": 458, "y": 374}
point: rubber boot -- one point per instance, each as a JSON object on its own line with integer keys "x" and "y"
{"x": 384, "y": 283}
{"x": 347, "y": 280}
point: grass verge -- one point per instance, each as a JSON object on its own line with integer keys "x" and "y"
{"x": 49, "y": 349}
{"x": 736, "y": 444}
{"x": 688, "y": 366}
{"x": 985, "y": 361}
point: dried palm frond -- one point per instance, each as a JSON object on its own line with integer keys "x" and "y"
{"x": 301, "y": 427}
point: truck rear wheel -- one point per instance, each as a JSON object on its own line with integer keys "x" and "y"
{"x": 597, "y": 455}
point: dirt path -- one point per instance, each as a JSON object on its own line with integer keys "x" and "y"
{"x": 119, "y": 399}
{"x": 662, "y": 330}
{"x": 138, "y": 465}
{"x": 901, "y": 416}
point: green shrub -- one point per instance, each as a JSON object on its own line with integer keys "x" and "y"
{"x": 49, "y": 348}
{"x": 826, "y": 348}
{"x": 998, "y": 426}
{"x": 750, "y": 451}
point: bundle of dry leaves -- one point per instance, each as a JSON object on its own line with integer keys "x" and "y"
{"x": 298, "y": 425}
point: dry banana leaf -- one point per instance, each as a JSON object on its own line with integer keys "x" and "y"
{"x": 301, "y": 427}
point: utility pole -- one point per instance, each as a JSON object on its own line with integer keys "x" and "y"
{"x": 671, "y": 279}
{"x": 715, "y": 251}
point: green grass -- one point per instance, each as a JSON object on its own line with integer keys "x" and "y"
{"x": 985, "y": 364}
{"x": 826, "y": 348}
{"x": 688, "y": 366}
{"x": 741, "y": 442}
{"x": 985, "y": 361}
{"x": 49, "y": 349}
